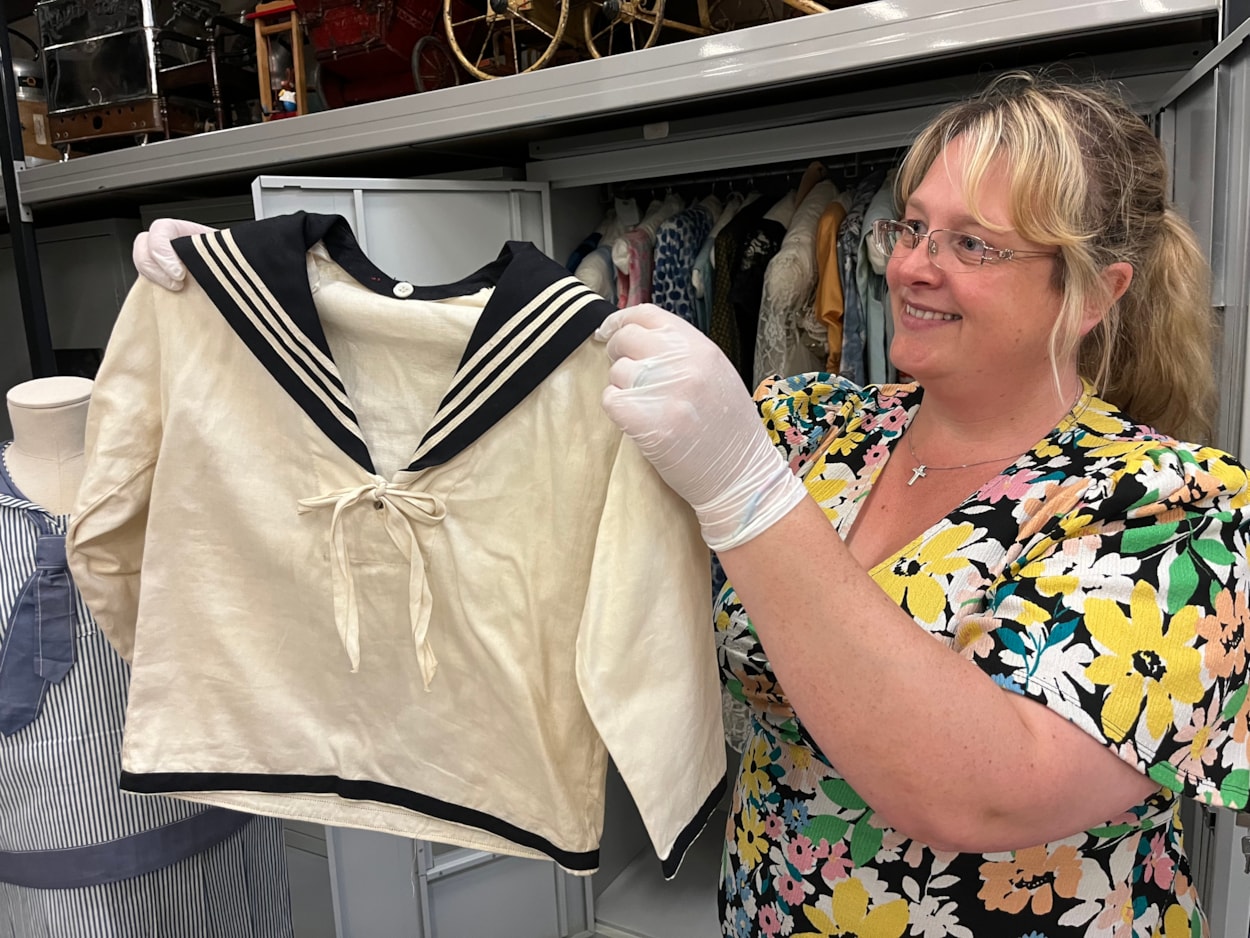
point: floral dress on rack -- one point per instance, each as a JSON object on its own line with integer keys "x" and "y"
{"x": 1103, "y": 574}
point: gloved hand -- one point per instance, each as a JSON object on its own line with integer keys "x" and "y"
{"x": 681, "y": 400}
{"x": 155, "y": 257}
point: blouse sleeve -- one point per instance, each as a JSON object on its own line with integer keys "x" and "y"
{"x": 105, "y": 540}
{"x": 800, "y": 411}
{"x": 1124, "y": 609}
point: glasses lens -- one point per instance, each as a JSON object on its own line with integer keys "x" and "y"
{"x": 888, "y": 234}
{"x": 958, "y": 251}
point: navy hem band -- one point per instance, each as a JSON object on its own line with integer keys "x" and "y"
{"x": 158, "y": 783}
{"x": 670, "y": 863}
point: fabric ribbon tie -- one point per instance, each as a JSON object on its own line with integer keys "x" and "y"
{"x": 404, "y": 509}
{"x": 38, "y": 647}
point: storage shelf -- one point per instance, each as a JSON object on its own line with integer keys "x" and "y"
{"x": 640, "y": 903}
{"x": 495, "y": 117}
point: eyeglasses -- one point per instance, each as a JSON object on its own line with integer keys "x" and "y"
{"x": 952, "y": 251}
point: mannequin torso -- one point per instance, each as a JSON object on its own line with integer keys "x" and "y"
{"x": 49, "y": 417}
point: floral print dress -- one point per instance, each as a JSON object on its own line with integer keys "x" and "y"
{"x": 1103, "y": 574}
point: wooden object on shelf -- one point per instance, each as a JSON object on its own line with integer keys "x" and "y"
{"x": 276, "y": 18}
{"x": 114, "y": 79}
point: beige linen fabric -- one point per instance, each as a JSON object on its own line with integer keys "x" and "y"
{"x": 566, "y": 586}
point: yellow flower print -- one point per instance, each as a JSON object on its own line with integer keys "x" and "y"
{"x": 1135, "y": 453}
{"x": 1102, "y": 424}
{"x": 972, "y": 636}
{"x": 851, "y": 915}
{"x": 825, "y": 490}
{"x": 1232, "y": 477}
{"x": 755, "y": 778}
{"x": 915, "y": 577}
{"x": 1073, "y": 525}
{"x": 752, "y": 847}
{"x": 1144, "y": 666}
{"x": 1175, "y": 924}
{"x": 1045, "y": 449}
{"x": 847, "y": 443}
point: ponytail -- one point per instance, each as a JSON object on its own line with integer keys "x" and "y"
{"x": 1153, "y": 355}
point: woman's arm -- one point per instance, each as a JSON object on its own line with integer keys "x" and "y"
{"x": 939, "y": 750}
{"x": 929, "y": 740}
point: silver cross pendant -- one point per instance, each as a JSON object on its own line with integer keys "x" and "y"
{"x": 917, "y": 473}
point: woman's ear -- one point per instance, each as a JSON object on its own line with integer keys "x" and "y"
{"x": 1116, "y": 279}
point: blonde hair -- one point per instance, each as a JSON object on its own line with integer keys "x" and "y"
{"x": 1086, "y": 174}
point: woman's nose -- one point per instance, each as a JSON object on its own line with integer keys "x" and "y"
{"x": 916, "y": 265}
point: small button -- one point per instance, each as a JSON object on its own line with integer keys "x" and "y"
{"x": 403, "y": 289}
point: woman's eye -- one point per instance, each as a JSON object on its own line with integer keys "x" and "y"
{"x": 970, "y": 244}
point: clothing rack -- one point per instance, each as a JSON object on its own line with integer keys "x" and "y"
{"x": 848, "y": 166}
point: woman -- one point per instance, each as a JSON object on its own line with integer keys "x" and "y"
{"x": 1083, "y": 574}
{"x": 1018, "y": 776}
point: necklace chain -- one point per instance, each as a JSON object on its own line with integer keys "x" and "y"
{"x": 922, "y": 468}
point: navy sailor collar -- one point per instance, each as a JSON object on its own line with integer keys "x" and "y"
{"x": 256, "y": 275}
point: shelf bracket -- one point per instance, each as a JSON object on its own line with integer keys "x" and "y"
{"x": 1226, "y": 47}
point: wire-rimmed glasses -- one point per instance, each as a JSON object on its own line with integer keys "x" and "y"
{"x": 949, "y": 250}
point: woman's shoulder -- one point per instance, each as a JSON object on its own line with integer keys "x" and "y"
{"x": 800, "y": 411}
{"x": 1147, "y": 470}
{"x": 814, "y": 395}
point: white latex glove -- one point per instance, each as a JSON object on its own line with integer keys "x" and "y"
{"x": 673, "y": 392}
{"x": 155, "y": 257}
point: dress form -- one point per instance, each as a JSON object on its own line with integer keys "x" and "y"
{"x": 79, "y": 858}
{"x": 49, "y": 417}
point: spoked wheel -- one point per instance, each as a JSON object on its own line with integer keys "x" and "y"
{"x": 713, "y": 17}
{"x": 433, "y": 66}
{"x": 611, "y": 26}
{"x": 511, "y": 37}
{"x": 329, "y": 86}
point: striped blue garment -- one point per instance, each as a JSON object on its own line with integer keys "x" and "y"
{"x": 58, "y": 792}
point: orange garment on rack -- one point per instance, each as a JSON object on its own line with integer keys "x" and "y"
{"x": 829, "y": 280}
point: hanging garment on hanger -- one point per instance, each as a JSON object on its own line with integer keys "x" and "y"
{"x": 584, "y": 247}
{"x": 748, "y": 280}
{"x": 596, "y": 269}
{"x": 814, "y": 174}
{"x": 634, "y": 253}
{"x": 873, "y": 292}
{"x": 78, "y": 857}
{"x": 598, "y": 272}
{"x": 676, "y": 244}
{"x": 397, "y": 517}
{"x": 828, "y": 307}
{"x": 782, "y": 347}
{"x": 729, "y": 247}
{"x": 854, "y": 365}
{"x": 701, "y": 271}
{"x": 602, "y": 231}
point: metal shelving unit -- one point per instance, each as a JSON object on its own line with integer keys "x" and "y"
{"x": 798, "y": 57}
{"x": 853, "y": 78}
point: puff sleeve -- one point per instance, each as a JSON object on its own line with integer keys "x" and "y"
{"x": 1124, "y": 609}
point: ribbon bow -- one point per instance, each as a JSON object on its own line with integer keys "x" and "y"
{"x": 38, "y": 647}
{"x": 404, "y": 508}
